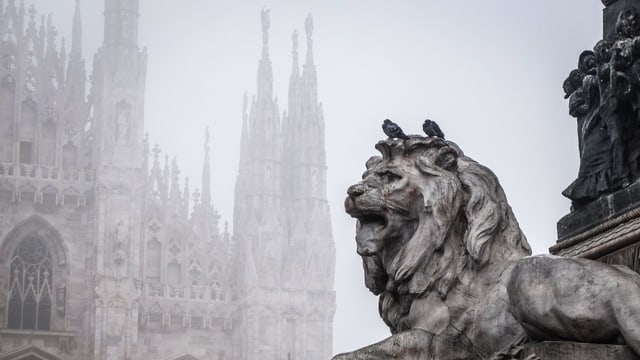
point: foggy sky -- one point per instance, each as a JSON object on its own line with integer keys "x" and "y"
{"x": 489, "y": 72}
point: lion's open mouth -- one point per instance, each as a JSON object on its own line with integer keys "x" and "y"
{"x": 370, "y": 233}
{"x": 373, "y": 220}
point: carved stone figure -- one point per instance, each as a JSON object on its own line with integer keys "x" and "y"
{"x": 119, "y": 242}
{"x": 266, "y": 23}
{"x": 444, "y": 252}
{"x": 308, "y": 26}
{"x": 122, "y": 127}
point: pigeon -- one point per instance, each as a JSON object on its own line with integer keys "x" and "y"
{"x": 432, "y": 129}
{"x": 392, "y": 130}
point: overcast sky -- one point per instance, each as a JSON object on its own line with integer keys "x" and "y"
{"x": 489, "y": 72}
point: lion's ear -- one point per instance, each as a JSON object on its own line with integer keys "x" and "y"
{"x": 447, "y": 158}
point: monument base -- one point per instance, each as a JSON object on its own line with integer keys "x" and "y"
{"x": 599, "y": 212}
{"x": 560, "y": 350}
{"x": 616, "y": 241}
{"x": 607, "y": 230}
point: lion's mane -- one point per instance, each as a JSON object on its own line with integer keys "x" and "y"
{"x": 465, "y": 224}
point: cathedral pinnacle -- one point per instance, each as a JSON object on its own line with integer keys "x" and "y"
{"x": 308, "y": 24}
{"x": 294, "y": 44}
{"x": 294, "y": 40}
{"x": 76, "y": 36}
{"x": 265, "y": 76}
{"x": 266, "y": 23}
{"x": 206, "y": 172}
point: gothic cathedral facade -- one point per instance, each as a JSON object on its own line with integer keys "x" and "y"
{"x": 104, "y": 255}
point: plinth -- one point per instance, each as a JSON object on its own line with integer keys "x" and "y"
{"x": 607, "y": 229}
{"x": 561, "y": 350}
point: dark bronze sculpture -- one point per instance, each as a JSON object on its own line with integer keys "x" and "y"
{"x": 604, "y": 97}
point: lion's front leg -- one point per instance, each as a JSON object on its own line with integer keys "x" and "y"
{"x": 409, "y": 345}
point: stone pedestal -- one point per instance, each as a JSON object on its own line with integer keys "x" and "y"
{"x": 560, "y": 350}
{"x": 607, "y": 229}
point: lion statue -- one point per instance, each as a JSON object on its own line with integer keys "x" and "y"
{"x": 444, "y": 252}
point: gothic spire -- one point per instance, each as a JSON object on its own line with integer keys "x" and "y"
{"x": 206, "y": 172}
{"x": 295, "y": 68}
{"x": 76, "y": 76}
{"x": 51, "y": 38}
{"x": 266, "y": 23}
{"x": 244, "y": 135}
{"x": 175, "y": 182}
{"x": 265, "y": 75}
{"x": 76, "y": 36}
{"x": 186, "y": 195}
{"x": 308, "y": 24}
{"x": 309, "y": 73}
{"x": 166, "y": 176}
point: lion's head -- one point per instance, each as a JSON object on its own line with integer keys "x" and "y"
{"x": 427, "y": 214}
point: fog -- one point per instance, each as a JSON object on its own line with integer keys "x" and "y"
{"x": 489, "y": 72}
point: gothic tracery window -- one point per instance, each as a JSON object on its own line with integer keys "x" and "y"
{"x": 154, "y": 260}
{"x": 30, "y": 286}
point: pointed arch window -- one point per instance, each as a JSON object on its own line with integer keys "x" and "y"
{"x": 69, "y": 155}
{"x": 154, "y": 260}
{"x": 30, "y": 286}
{"x": 48, "y": 144}
{"x": 174, "y": 273}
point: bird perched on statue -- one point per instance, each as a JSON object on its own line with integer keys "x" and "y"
{"x": 392, "y": 130}
{"x": 432, "y": 129}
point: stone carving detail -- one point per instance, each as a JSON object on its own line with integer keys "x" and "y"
{"x": 604, "y": 97}
{"x": 61, "y": 298}
{"x": 266, "y": 23}
{"x": 119, "y": 241}
{"x": 123, "y": 122}
{"x": 444, "y": 252}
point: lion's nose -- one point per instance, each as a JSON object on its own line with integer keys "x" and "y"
{"x": 355, "y": 190}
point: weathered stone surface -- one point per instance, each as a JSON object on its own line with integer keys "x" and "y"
{"x": 445, "y": 254}
{"x": 560, "y": 350}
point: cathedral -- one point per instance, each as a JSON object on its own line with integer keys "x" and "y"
{"x": 106, "y": 255}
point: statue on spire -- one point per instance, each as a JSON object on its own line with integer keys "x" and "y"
{"x": 308, "y": 24}
{"x": 265, "y": 25}
{"x": 294, "y": 40}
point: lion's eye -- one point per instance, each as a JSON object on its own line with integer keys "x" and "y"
{"x": 388, "y": 176}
